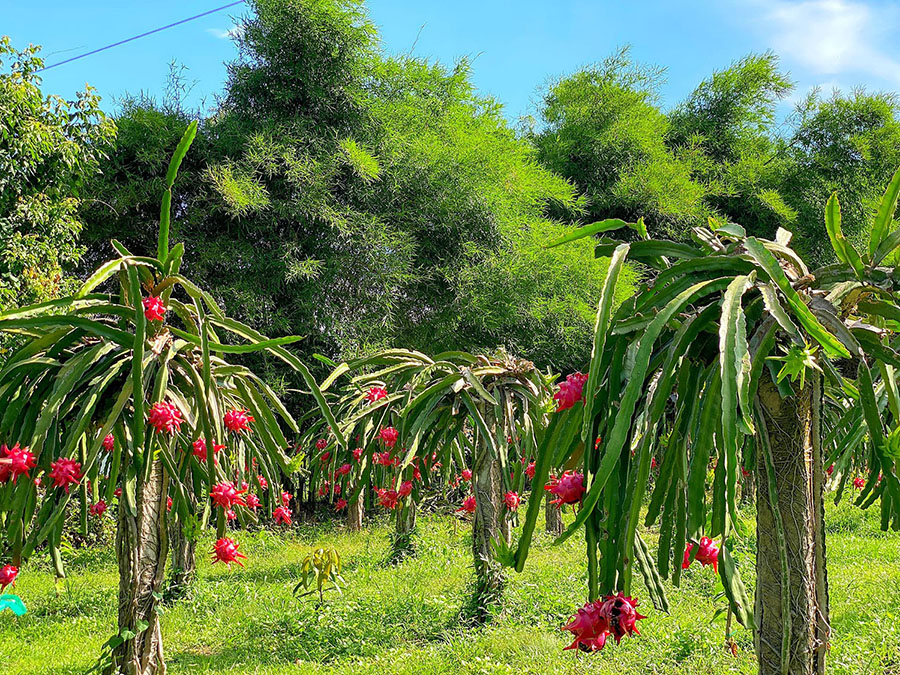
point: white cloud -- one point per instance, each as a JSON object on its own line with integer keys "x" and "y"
{"x": 832, "y": 37}
{"x": 222, "y": 34}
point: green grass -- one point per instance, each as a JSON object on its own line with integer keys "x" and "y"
{"x": 405, "y": 618}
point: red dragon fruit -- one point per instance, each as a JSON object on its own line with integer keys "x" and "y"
{"x": 230, "y": 515}
{"x": 225, "y": 550}
{"x": 21, "y": 461}
{"x": 252, "y": 501}
{"x": 344, "y": 469}
{"x": 512, "y": 500}
{"x": 468, "y": 505}
{"x": 405, "y": 490}
{"x": 570, "y": 391}
{"x": 154, "y": 308}
{"x": 620, "y": 615}
{"x": 568, "y": 488}
{"x": 226, "y": 495}
{"x": 357, "y": 454}
{"x": 64, "y": 472}
{"x": 388, "y": 498}
{"x": 707, "y": 554}
{"x": 263, "y": 483}
{"x": 8, "y": 575}
{"x": 389, "y": 436}
{"x": 383, "y": 458}
{"x": 466, "y": 474}
{"x": 238, "y": 420}
{"x": 199, "y": 449}
{"x": 165, "y": 418}
{"x": 530, "y": 469}
{"x": 589, "y": 628}
{"x": 282, "y": 515}
{"x": 169, "y": 503}
{"x": 859, "y": 483}
{"x": 340, "y": 504}
{"x": 321, "y": 444}
{"x": 98, "y": 509}
{"x": 109, "y": 442}
{"x": 285, "y": 498}
{"x": 376, "y": 394}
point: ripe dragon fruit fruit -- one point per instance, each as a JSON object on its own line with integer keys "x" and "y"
{"x": 325, "y": 457}
{"x": 154, "y": 308}
{"x": 340, "y": 504}
{"x": 117, "y": 492}
{"x": 109, "y": 442}
{"x": 282, "y": 515}
{"x": 98, "y": 509}
{"x": 252, "y": 501}
{"x": 230, "y": 515}
{"x": 21, "y": 461}
{"x": 344, "y": 469}
{"x": 357, "y": 454}
{"x": 466, "y": 474}
{"x": 64, "y": 472}
{"x": 405, "y": 490}
{"x": 707, "y": 554}
{"x": 512, "y": 500}
{"x": 530, "y": 469}
{"x": 387, "y": 498}
{"x": 593, "y": 623}
{"x": 225, "y": 550}
{"x": 570, "y": 391}
{"x": 468, "y": 505}
{"x": 238, "y": 420}
{"x": 169, "y": 503}
{"x": 226, "y": 495}
{"x": 199, "y": 449}
{"x": 620, "y": 615}
{"x": 859, "y": 483}
{"x": 376, "y": 394}
{"x": 568, "y": 488}
{"x": 389, "y": 436}
{"x": 321, "y": 444}
{"x": 8, "y": 575}
{"x": 383, "y": 458}
{"x": 165, "y": 418}
{"x": 263, "y": 483}
{"x": 285, "y": 498}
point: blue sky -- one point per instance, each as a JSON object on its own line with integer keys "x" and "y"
{"x": 516, "y": 46}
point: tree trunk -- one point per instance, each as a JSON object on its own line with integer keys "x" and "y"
{"x": 184, "y": 562}
{"x": 791, "y": 572}
{"x": 488, "y": 572}
{"x": 552, "y": 516}
{"x": 355, "y": 512}
{"x": 141, "y": 546}
{"x": 402, "y": 539}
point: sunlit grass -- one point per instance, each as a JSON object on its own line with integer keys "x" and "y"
{"x": 405, "y": 618}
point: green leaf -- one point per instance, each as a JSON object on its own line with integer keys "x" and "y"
{"x": 885, "y": 216}
{"x": 806, "y": 318}
{"x": 592, "y": 229}
{"x": 842, "y": 248}
{"x": 735, "y": 589}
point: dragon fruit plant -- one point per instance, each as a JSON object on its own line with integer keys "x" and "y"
{"x": 734, "y": 354}
{"x": 466, "y": 420}
{"x": 120, "y": 388}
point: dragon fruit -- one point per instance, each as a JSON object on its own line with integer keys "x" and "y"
{"x": 98, "y": 509}
{"x": 620, "y": 615}
{"x": 512, "y": 500}
{"x": 340, "y": 504}
{"x": 282, "y": 515}
{"x": 65, "y": 472}
{"x": 466, "y": 474}
{"x": 707, "y": 554}
{"x": 468, "y": 505}
{"x": 593, "y": 624}
{"x": 376, "y": 394}
{"x": 21, "y": 461}
{"x": 225, "y": 550}
{"x": 405, "y": 490}
{"x": 252, "y": 501}
{"x": 165, "y": 418}
{"x": 389, "y": 436}
{"x": 154, "y": 308}
{"x": 285, "y": 498}
{"x": 226, "y": 495}
{"x": 388, "y": 498}
{"x": 570, "y": 391}
{"x": 109, "y": 442}
{"x": 238, "y": 420}
{"x": 568, "y": 488}
{"x": 8, "y": 575}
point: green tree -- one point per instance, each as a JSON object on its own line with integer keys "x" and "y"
{"x": 48, "y": 147}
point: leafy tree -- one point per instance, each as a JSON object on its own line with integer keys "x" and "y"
{"x": 98, "y": 366}
{"x": 605, "y": 132}
{"x": 48, "y": 147}
{"x": 686, "y": 371}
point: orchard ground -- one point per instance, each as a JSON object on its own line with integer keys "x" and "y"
{"x": 406, "y": 618}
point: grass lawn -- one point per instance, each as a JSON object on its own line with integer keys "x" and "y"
{"x": 405, "y": 618}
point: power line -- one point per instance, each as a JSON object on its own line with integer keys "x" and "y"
{"x": 137, "y": 37}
